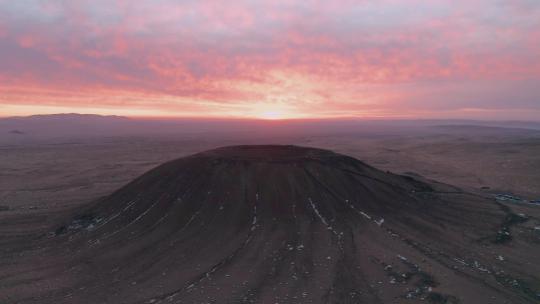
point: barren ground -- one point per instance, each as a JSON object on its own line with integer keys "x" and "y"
{"x": 41, "y": 182}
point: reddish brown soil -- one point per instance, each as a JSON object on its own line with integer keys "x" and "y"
{"x": 277, "y": 224}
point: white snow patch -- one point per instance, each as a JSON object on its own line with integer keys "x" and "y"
{"x": 318, "y": 213}
{"x": 360, "y": 211}
{"x": 401, "y": 257}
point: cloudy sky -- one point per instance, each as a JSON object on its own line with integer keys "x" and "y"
{"x": 272, "y": 58}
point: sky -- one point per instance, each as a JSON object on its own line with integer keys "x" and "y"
{"x": 272, "y": 59}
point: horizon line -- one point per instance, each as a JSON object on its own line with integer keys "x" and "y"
{"x": 260, "y": 119}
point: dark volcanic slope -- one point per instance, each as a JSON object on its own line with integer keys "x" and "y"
{"x": 279, "y": 224}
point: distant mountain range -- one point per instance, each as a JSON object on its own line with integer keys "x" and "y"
{"x": 61, "y": 125}
{"x": 66, "y": 117}
{"x": 55, "y": 126}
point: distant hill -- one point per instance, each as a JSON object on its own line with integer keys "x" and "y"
{"x": 60, "y": 124}
{"x": 65, "y": 117}
{"x": 16, "y": 132}
{"x": 463, "y": 124}
{"x": 489, "y": 129}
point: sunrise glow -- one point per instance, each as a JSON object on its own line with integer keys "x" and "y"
{"x": 271, "y": 59}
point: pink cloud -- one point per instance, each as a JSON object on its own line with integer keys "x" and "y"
{"x": 341, "y": 57}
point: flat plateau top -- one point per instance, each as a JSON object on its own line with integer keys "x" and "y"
{"x": 268, "y": 153}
